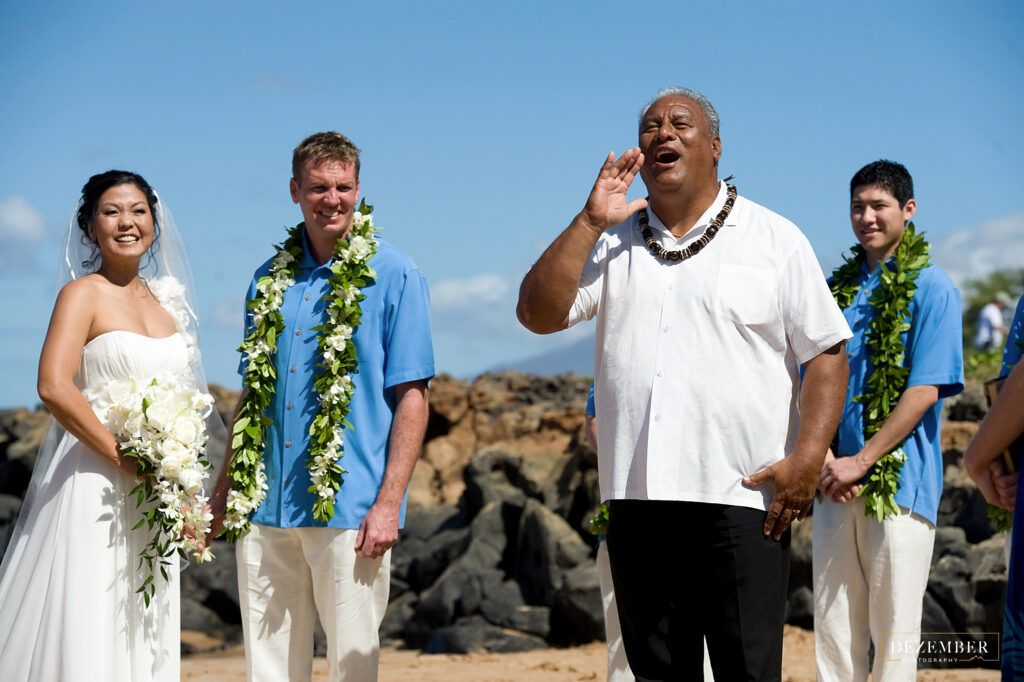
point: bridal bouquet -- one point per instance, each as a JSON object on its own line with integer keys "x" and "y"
{"x": 162, "y": 424}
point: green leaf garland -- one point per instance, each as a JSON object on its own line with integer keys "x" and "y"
{"x": 891, "y": 299}
{"x": 350, "y": 272}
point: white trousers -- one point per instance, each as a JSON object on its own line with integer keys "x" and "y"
{"x": 869, "y": 584}
{"x": 618, "y": 666}
{"x": 286, "y": 576}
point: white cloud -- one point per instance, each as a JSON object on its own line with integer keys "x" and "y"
{"x": 452, "y": 295}
{"x": 976, "y": 251}
{"x": 20, "y": 222}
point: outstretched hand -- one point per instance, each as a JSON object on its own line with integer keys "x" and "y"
{"x": 794, "y": 481}
{"x": 607, "y": 205}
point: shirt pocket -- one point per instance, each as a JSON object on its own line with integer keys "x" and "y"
{"x": 747, "y": 295}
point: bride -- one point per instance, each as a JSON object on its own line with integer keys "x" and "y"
{"x": 68, "y": 603}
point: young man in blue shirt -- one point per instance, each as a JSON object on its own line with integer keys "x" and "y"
{"x": 870, "y": 576}
{"x": 291, "y": 567}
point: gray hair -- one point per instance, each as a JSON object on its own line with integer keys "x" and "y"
{"x": 710, "y": 115}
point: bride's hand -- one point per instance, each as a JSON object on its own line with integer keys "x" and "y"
{"x": 128, "y": 465}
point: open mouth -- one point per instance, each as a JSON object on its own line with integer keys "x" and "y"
{"x": 127, "y": 239}
{"x": 666, "y": 157}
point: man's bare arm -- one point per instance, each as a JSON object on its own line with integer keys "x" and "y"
{"x": 1003, "y": 423}
{"x": 379, "y": 529}
{"x": 550, "y": 287}
{"x": 795, "y": 477}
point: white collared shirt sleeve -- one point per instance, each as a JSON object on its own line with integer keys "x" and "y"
{"x": 588, "y": 297}
{"x": 813, "y": 321}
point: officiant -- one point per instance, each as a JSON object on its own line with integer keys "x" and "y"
{"x": 707, "y": 304}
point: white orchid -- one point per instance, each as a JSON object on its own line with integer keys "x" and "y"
{"x": 162, "y": 423}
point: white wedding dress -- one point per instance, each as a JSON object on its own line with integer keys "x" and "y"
{"x": 68, "y": 603}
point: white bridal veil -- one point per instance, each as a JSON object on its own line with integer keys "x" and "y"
{"x": 166, "y": 271}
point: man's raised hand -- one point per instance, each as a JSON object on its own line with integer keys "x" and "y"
{"x": 607, "y": 205}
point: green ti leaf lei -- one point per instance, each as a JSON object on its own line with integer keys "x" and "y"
{"x": 350, "y": 272}
{"x": 891, "y": 299}
{"x": 599, "y": 522}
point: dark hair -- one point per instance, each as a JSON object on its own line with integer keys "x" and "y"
{"x": 888, "y": 175}
{"x": 320, "y": 147}
{"x": 94, "y": 189}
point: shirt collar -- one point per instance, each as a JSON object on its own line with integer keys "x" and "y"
{"x": 307, "y": 254}
{"x": 705, "y": 219}
{"x": 889, "y": 263}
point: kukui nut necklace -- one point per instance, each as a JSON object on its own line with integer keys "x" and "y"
{"x": 897, "y": 282}
{"x": 694, "y": 248}
{"x": 333, "y": 385}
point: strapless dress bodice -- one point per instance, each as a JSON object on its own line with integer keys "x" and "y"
{"x": 122, "y": 355}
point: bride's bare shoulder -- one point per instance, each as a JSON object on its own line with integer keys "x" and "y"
{"x": 87, "y": 285}
{"x": 77, "y": 299}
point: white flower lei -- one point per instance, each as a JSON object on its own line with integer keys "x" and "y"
{"x": 350, "y": 271}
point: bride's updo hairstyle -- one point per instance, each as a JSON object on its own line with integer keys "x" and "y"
{"x": 91, "y": 193}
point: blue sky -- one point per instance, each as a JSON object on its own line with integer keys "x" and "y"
{"x": 482, "y": 126}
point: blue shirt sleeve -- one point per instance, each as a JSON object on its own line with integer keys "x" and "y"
{"x": 410, "y": 350}
{"x": 1014, "y": 340}
{"x": 935, "y": 346}
{"x": 591, "y": 408}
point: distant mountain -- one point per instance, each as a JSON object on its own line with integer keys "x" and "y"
{"x": 577, "y": 357}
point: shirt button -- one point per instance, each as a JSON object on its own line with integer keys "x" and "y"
{"x": 297, "y": 332}
{"x": 288, "y": 444}
{"x": 661, "y": 372}
{"x": 289, "y": 406}
{"x": 307, "y": 297}
{"x": 657, "y": 417}
{"x": 671, "y": 286}
{"x": 665, "y": 328}
{"x": 289, "y": 478}
{"x": 291, "y": 369}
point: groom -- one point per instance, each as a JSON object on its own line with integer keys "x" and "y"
{"x": 292, "y": 567}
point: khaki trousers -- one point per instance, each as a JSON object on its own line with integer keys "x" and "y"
{"x": 286, "y": 577}
{"x": 869, "y": 583}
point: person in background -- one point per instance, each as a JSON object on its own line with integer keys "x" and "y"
{"x": 870, "y": 573}
{"x": 991, "y": 326}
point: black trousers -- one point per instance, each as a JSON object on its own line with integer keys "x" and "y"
{"x": 684, "y": 571}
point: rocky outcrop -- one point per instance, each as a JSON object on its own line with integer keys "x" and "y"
{"x": 496, "y": 556}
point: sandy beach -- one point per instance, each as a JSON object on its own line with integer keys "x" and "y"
{"x": 548, "y": 665}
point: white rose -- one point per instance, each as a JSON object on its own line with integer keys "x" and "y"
{"x": 167, "y": 289}
{"x": 120, "y": 392}
{"x": 201, "y": 402}
{"x": 170, "y": 462}
{"x": 133, "y": 423}
{"x": 115, "y": 418}
{"x": 158, "y": 415}
{"x": 191, "y": 480}
{"x": 185, "y": 429}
